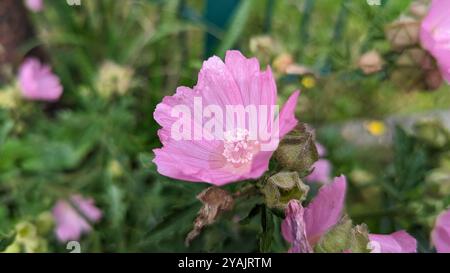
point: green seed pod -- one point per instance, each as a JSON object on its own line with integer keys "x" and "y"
{"x": 297, "y": 150}
{"x": 283, "y": 187}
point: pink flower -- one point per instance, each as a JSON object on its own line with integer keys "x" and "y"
{"x": 435, "y": 34}
{"x": 37, "y": 82}
{"x": 70, "y": 225}
{"x": 440, "y": 236}
{"x": 397, "y": 242}
{"x": 35, "y": 5}
{"x": 321, "y": 150}
{"x": 321, "y": 171}
{"x": 303, "y": 228}
{"x": 224, "y": 153}
{"x": 321, "y": 168}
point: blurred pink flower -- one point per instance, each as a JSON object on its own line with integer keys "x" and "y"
{"x": 321, "y": 172}
{"x": 321, "y": 168}
{"x": 232, "y": 156}
{"x": 37, "y": 82}
{"x": 303, "y": 228}
{"x": 435, "y": 34}
{"x": 321, "y": 150}
{"x": 440, "y": 235}
{"x": 397, "y": 242}
{"x": 70, "y": 225}
{"x": 35, "y": 5}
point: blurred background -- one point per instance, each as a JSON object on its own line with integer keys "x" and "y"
{"x": 380, "y": 116}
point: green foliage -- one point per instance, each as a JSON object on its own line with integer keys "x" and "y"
{"x": 101, "y": 147}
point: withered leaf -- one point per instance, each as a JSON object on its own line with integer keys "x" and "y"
{"x": 215, "y": 201}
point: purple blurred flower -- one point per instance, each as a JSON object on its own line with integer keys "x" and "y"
{"x": 321, "y": 168}
{"x": 397, "y": 242}
{"x": 35, "y": 5}
{"x": 321, "y": 150}
{"x": 440, "y": 236}
{"x": 70, "y": 225}
{"x": 321, "y": 172}
{"x": 435, "y": 35}
{"x": 37, "y": 82}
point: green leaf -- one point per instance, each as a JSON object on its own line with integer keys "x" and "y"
{"x": 253, "y": 212}
{"x": 175, "y": 217}
{"x": 267, "y": 230}
{"x": 6, "y": 240}
{"x": 4, "y": 131}
{"x": 116, "y": 203}
{"x": 240, "y": 17}
{"x": 146, "y": 160}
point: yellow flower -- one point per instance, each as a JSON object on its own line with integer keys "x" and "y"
{"x": 308, "y": 81}
{"x": 376, "y": 128}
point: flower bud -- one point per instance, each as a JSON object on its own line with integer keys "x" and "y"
{"x": 344, "y": 237}
{"x": 297, "y": 150}
{"x": 403, "y": 33}
{"x": 370, "y": 62}
{"x": 282, "y": 62}
{"x": 418, "y": 9}
{"x": 416, "y": 69}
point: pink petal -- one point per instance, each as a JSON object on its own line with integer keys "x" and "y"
{"x": 69, "y": 224}
{"x": 321, "y": 150}
{"x": 435, "y": 34}
{"x": 293, "y": 228}
{"x": 325, "y": 209}
{"x": 35, "y": 5}
{"x": 191, "y": 161}
{"x": 37, "y": 82}
{"x": 217, "y": 85}
{"x": 87, "y": 207}
{"x": 397, "y": 242}
{"x": 288, "y": 121}
{"x": 440, "y": 235}
{"x": 321, "y": 172}
{"x": 245, "y": 73}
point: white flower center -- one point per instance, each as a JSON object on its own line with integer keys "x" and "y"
{"x": 238, "y": 148}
